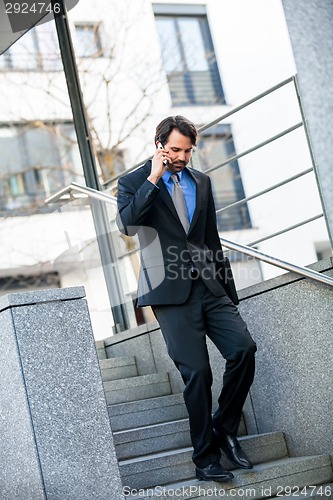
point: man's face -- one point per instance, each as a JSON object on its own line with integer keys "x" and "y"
{"x": 179, "y": 148}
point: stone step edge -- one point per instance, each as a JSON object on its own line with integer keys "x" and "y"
{"x": 179, "y": 451}
{"x": 129, "y": 434}
{"x": 162, "y": 424}
{"x": 150, "y": 403}
{"x": 117, "y": 362}
{"x": 132, "y": 382}
{"x": 239, "y": 473}
{"x": 144, "y": 427}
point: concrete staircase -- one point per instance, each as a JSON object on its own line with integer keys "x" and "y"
{"x": 151, "y": 434}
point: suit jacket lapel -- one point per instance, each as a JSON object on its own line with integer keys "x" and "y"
{"x": 165, "y": 196}
{"x": 198, "y": 196}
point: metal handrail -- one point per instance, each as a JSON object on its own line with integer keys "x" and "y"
{"x": 282, "y": 231}
{"x": 215, "y": 122}
{"x": 73, "y": 186}
{"x": 251, "y": 252}
{"x": 288, "y": 266}
{"x": 242, "y": 201}
{"x": 265, "y": 191}
{"x": 254, "y": 148}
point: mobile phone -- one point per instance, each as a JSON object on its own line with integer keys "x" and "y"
{"x": 160, "y": 145}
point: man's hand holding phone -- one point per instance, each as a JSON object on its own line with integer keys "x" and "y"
{"x": 159, "y": 164}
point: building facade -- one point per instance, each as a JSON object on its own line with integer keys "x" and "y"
{"x": 138, "y": 62}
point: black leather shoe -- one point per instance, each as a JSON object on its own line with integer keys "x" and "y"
{"x": 232, "y": 449}
{"x": 213, "y": 472}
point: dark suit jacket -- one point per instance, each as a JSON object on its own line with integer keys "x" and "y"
{"x": 167, "y": 253}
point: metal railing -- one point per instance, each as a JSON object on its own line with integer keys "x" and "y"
{"x": 244, "y": 201}
{"x": 231, "y": 245}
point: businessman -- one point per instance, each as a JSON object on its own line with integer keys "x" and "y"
{"x": 183, "y": 279}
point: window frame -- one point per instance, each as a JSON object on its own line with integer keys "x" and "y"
{"x": 38, "y": 55}
{"x": 96, "y": 29}
{"x": 176, "y": 13}
{"x": 31, "y": 174}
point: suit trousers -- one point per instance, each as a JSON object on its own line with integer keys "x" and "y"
{"x": 184, "y": 328}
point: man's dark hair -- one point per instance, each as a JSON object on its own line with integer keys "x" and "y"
{"x": 180, "y": 123}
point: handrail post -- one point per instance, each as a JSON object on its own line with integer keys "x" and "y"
{"x": 105, "y": 244}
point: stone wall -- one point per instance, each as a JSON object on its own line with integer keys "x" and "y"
{"x": 291, "y": 320}
{"x": 56, "y": 439}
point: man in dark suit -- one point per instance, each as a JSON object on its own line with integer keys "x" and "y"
{"x": 183, "y": 278}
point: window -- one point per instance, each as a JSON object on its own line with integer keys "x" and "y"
{"x": 111, "y": 162}
{"x": 188, "y": 55}
{"x": 36, "y": 50}
{"x": 88, "y": 40}
{"x": 19, "y": 282}
{"x": 216, "y": 146}
{"x": 37, "y": 160}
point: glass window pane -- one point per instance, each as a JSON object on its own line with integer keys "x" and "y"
{"x": 203, "y": 89}
{"x": 48, "y": 47}
{"x": 178, "y": 90}
{"x": 23, "y": 53}
{"x": 17, "y": 186}
{"x": 40, "y": 147}
{"x": 10, "y": 158}
{"x": 3, "y": 62}
{"x": 88, "y": 43}
{"x": 171, "y": 55}
{"x": 193, "y": 44}
{"x": 69, "y": 153}
{"x": 189, "y": 60}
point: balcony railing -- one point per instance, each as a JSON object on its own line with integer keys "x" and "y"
{"x": 285, "y": 132}
{"x": 69, "y": 192}
{"x": 72, "y": 191}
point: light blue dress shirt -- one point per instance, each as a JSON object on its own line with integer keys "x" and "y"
{"x": 189, "y": 188}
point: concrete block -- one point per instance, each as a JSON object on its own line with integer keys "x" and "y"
{"x": 133, "y": 343}
{"x": 100, "y": 348}
{"x": 147, "y": 412}
{"x": 56, "y": 440}
{"x": 135, "y": 388}
{"x": 263, "y": 481}
{"x": 292, "y": 390}
{"x": 118, "y": 368}
{"x": 155, "y": 438}
{"x": 176, "y": 465}
{"x": 152, "y": 439}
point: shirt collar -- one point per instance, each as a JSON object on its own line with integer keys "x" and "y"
{"x": 167, "y": 174}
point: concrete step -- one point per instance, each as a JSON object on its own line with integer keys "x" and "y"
{"x": 263, "y": 481}
{"x": 152, "y": 439}
{"x": 136, "y": 388}
{"x": 155, "y": 438}
{"x": 100, "y": 348}
{"x": 147, "y": 412}
{"x": 151, "y": 411}
{"x": 117, "y": 368}
{"x": 177, "y": 465}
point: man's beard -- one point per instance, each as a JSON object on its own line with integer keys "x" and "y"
{"x": 178, "y": 164}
